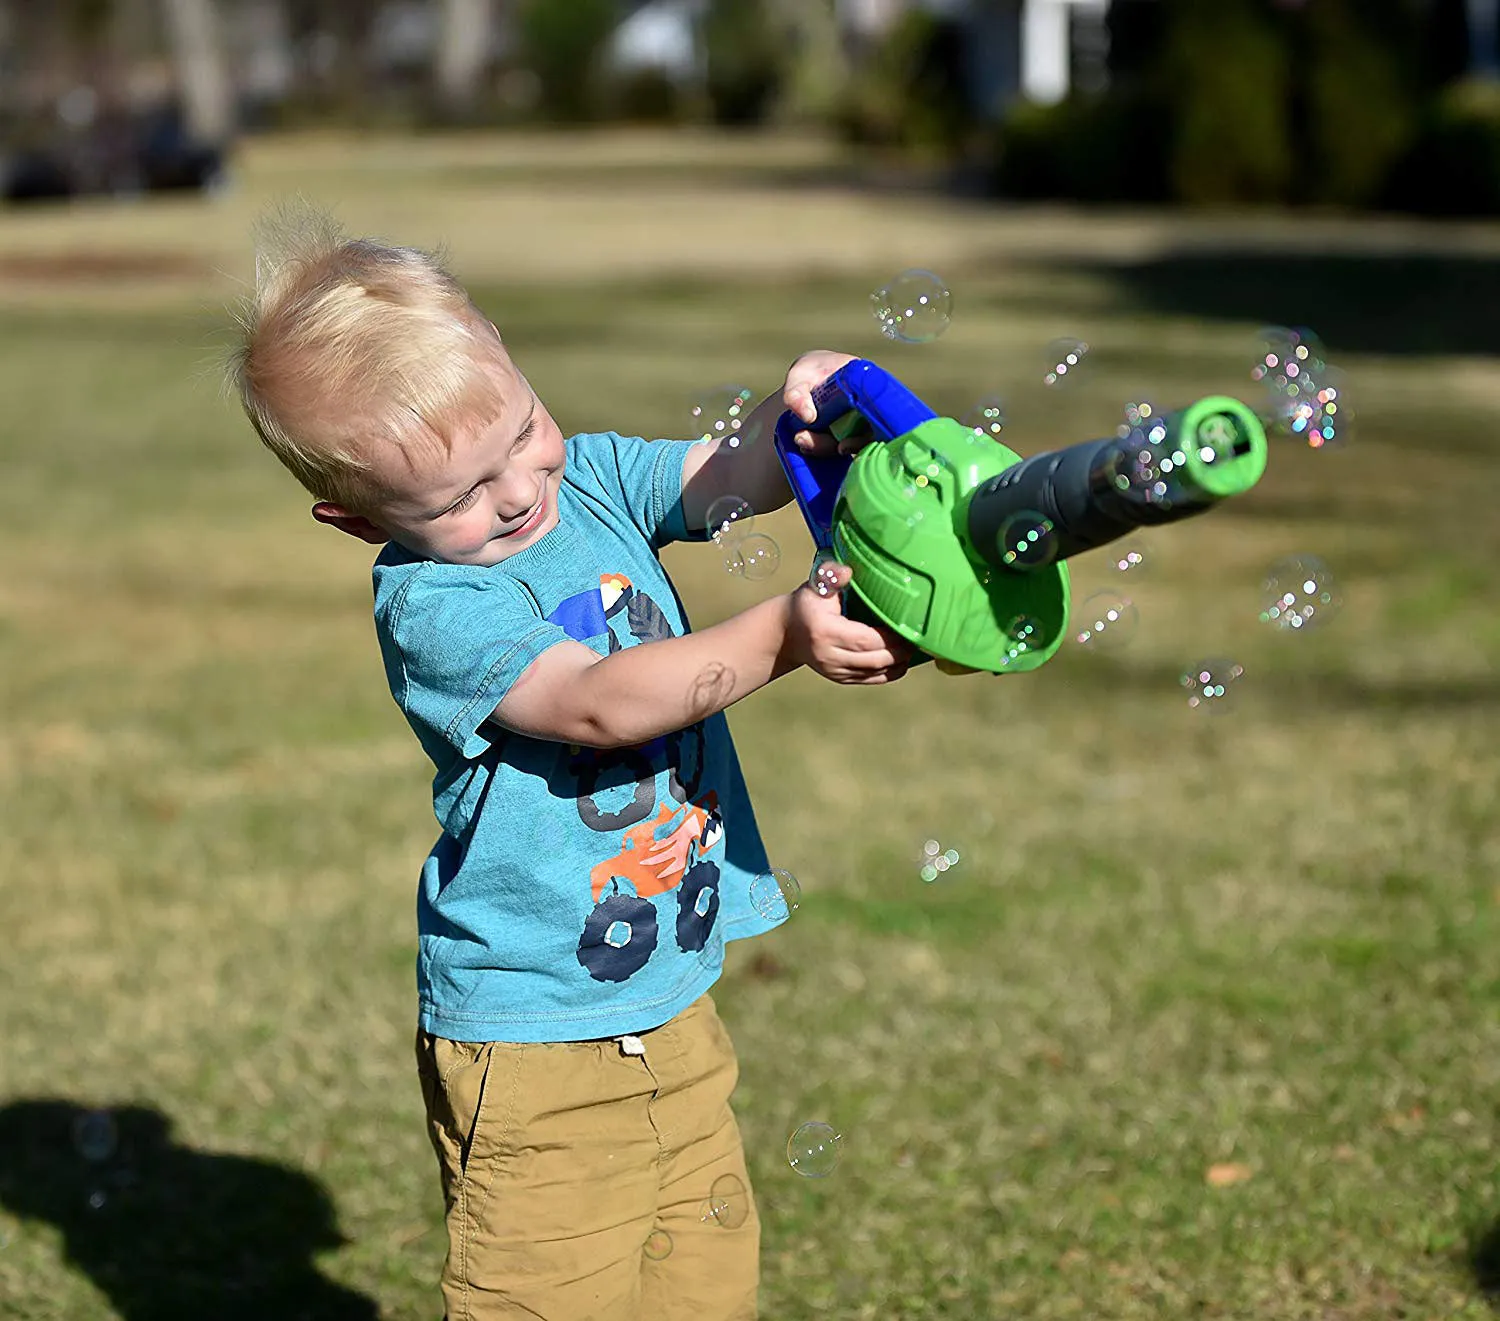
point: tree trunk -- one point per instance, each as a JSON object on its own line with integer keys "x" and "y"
{"x": 202, "y": 76}
{"x": 465, "y": 37}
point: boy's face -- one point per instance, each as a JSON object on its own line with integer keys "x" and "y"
{"x": 493, "y": 493}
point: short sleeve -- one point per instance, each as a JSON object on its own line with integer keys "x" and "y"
{"x": 643, "y": 476}
{"x": 455, "y": 639}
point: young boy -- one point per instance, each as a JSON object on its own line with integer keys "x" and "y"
{"x": 597, "y": 845}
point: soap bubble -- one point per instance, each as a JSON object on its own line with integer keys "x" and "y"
{"x": 1063, "y": 359}
{"x": 986, "y": 418}
{"x": 1299, "y": 593}
{"x": 757, "y": 557}
{"x": 1305, "y": 392}
{"x": 94, "y": 1135}
{"x": 1128, "y": 559}
{"x": 711, "y": 956}
{"x": 97, "y": 1199}
{"x": 728, "y": 1203}
{"x": 722, "y": 411}
{"x": 729, "y": 518}
{"x": 814, "y": 1150}
{"x": 1138, "y": 413}
{"x": 1210, "y": 684}
{"x": 1023, "y": 635}
{"x": 1106, "y": 622}
{"x": 936, "y": 860}
{"x": 915, "y": 308}
{"x": 1027, "y": 540}
{"x": 658, "y": 1246}
{"x": 775, "y": 894}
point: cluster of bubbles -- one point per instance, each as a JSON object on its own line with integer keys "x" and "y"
{"x": 914, "y": 308}
{"x": 1306, "y": 400}
{"x": 813, "y": 1150}
{"x": 936, "y": 860}
{"x": 730, "y": 525}
{"x": 1150, "y": 460}
{"x": 1305, "y": 393}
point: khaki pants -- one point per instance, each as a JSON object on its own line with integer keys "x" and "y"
{"x": 578, "y": 1176}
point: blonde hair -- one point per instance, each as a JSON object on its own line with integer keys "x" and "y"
{"x": 349, "y": 344}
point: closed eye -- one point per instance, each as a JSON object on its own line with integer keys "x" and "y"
{"x": 463, "y": 502}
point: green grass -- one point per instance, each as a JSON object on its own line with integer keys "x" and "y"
{"x": 1266, "y": 940}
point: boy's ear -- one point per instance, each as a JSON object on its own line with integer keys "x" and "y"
{"x": 356, "y": 525}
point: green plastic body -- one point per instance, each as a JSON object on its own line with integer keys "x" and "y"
{"x": 901, "y": 522}
{"x": 900, "y": 525}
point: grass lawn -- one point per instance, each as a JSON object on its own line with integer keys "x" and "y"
{"x": 1204, "y": 1023}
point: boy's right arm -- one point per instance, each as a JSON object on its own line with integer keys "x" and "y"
{"x": 571, "y": 694}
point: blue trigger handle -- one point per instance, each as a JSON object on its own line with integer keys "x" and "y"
{"x": 887, "y": 407}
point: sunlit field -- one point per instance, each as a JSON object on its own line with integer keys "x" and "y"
{"x": 1203, "y": 1022}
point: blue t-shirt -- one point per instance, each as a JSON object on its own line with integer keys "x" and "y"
{"x": 575, "y": 892}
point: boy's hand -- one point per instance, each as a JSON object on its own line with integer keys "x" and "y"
{"x": 802, "y": 378}
{"x": 844, "y": 650}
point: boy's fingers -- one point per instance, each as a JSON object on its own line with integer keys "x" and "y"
{"x": 798, "y": 398}
{"x": 830, "y": 578}
{"x": 895, "y": 642}
{"x": 820, "y": 443}
{"x": 865, "y": 638}
{"x": 865, "y": 661}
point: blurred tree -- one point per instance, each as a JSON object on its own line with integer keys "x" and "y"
{"x": 202, "y": 79}
{"x": 1225, "y": 77}
{"x": 1360, "y": 88}
{"x": 564, "y": 45}
{"x": 746, "y": 59}
{"x": 332, "y": 38}
{"x": 1453, "y": 165}
{"x": 465, "y": 41}
{"x": 910, "y": 91}
{"x": 817, "y": 70}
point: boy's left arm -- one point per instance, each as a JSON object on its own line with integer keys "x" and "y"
{"x": 750, "y": 469}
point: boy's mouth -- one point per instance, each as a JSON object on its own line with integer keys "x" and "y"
{"x": 533, "y": 520}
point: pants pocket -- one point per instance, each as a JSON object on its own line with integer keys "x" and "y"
{"x": 467, "y": 1089}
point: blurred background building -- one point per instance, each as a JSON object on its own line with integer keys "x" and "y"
{"x": 1379, "y": 103}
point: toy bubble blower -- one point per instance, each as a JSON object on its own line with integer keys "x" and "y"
{"x": 959, "y": 545}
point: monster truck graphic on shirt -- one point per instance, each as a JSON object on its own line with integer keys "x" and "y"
{"x": 662, "y": 844}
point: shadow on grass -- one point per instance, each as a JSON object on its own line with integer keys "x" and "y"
{"x": 1384, "y": 303}
{"x": 166, "y": 1232}
{"x": 1484, "y": 1262}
